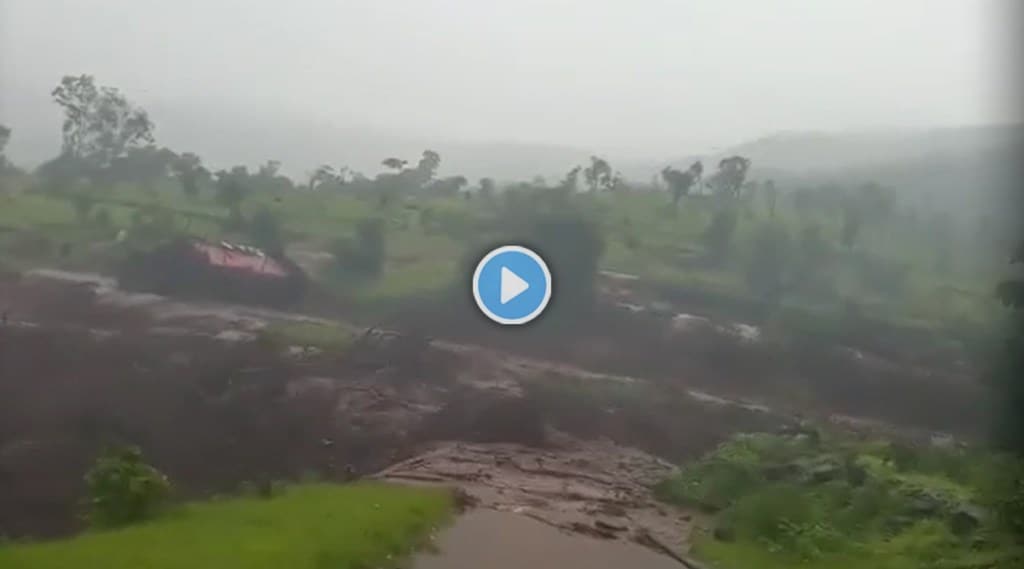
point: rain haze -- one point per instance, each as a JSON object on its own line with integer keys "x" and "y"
{"x": 633, "y": 80}
{"x": 544, "y": 284}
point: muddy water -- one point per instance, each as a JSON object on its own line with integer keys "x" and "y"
{"x": 501, "y": 540}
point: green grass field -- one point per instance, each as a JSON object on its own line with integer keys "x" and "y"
{"x": 308, "y": 527}
{"x": 427, "y": 236}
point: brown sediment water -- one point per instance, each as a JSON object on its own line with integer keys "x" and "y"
{"x": 502, "y": 540}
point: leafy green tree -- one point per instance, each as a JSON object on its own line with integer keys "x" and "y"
{"x": 768, "y": 264}
{"x": 140, "y": 166}
{"x": 487, "y": 188}
{"x": 395, "y": 164}
{"x": 5, "y": 137}
{"x": 853, "y": 219}
{"x": 448, "y": 187}
{"x": 231, "y": 190}
{"x": 264, "y": 230}
{"x": 1008, "y": 375}
{"x": 324, "y": 174}
{"x": 100, "y": 124}
{"x": 123, "y": 489}
{"x": 571, "y": 180}
{"x": 680, "y": 183}
{"x": 363, "y": 255}
{"x": 598, "y": 176}
{"x": 728, "y": 180}
{"x": 718, "y": 235}
{"x": 427, "y": 167}
{"x": 771, "y": 196}
{"x": 188, "y": 169}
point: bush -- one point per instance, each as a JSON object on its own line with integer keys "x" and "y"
{"x": 123, "y": 489}
{"x": 718, "y": 235}
{"x": 768, "y": 264}
{"x": 363, "y": 255}
{"x": 264, "y": 230}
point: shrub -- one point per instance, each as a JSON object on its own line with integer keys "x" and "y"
{"x": 768, "y": 264}
{"x": 123, "y": 489}
{"x": 718, "y": 235}
{"x": 265, "y": 232}
{"x": 361, "y": 256}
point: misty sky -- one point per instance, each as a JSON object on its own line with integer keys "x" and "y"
{"x": 635, "y": 77}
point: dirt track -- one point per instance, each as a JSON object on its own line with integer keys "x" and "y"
{"x": 213, "y": 405}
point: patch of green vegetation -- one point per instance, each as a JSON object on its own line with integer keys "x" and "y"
{"x": 813, "y": 500}
{"x": 323, "y": 335}
{"x": 307, "y": 527}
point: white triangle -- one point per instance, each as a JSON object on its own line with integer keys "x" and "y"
{"x": 511, "y": 285}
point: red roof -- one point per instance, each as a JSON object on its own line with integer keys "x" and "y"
{"x": 246, "y": 259}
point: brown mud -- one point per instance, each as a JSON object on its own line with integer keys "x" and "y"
{"x": 214, "y": 403}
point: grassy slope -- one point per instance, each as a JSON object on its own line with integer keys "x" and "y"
{"x": 422, "y": 257}
{"x": 839, "y": 524}
{"x": 309, "y": 527}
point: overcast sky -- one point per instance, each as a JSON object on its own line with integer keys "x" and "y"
{"x": 630, "y": 76}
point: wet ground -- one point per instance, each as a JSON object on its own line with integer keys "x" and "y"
{"x": 500, "y": 540}
{"x": 546, "y": 452}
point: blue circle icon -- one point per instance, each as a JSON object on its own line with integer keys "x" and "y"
{"x": 512, "y": 285}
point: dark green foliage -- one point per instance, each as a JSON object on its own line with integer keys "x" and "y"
{"x": 718, "y": 235}
{"x": 767, "y": 268}
{"x": 853, "y": 218}
{"x": 83, "y": 204}
{"x": 100, "y": 124}
{"x": 265, "y": 232}
{"x": 680, "y": 183}
{"x": 598, "y": 176}
{"x": 363, "y": 255}
{"x": 189, "y": 170}
{"x": 102, "y": 217}
{"x": 123, "y": 489}
{"x": 806, "y": 498}
{"x": 1007, "y": 374}
{"x": 882, "y": 275}
{"x": 560, "y": 226}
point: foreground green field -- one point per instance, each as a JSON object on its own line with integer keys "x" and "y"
{"x": 308, "y": 527}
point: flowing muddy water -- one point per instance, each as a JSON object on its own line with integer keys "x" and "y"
{"x": 500, "y": 540}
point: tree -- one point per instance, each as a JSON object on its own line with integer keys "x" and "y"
{"x": 718, "y": 235}
{"x": 448, "y": 186}
{"x": 429, "y": 162}
{"x": 598, "y": 175}
{"x": 188, "y": 169}
{"x": 324, "y": 174}
{"x": 732, "y": 172}
{"x": 680, "y": 183}
{"x": 100, "y": 124}
{"x": 768, "y": 263}
{"x": 771, "y": 196}
{"x": 853, "y": 218}
{"x": 394, "y": 163}
{"x": 231, "y": 189}
{"x": 140, "y": 165}
{"x": 571, "y": 180}
{"x": 1008, "y": 373}
{"x": 362, "y": 256}
{"x": 487, "y": 187}
{"x": 5, "y": 137}
{"x": 265, "y": 232}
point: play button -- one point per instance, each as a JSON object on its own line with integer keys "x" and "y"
{"x": 512, "y": 285}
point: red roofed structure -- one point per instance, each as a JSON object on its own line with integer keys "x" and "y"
{"x": 225, "y": 271}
